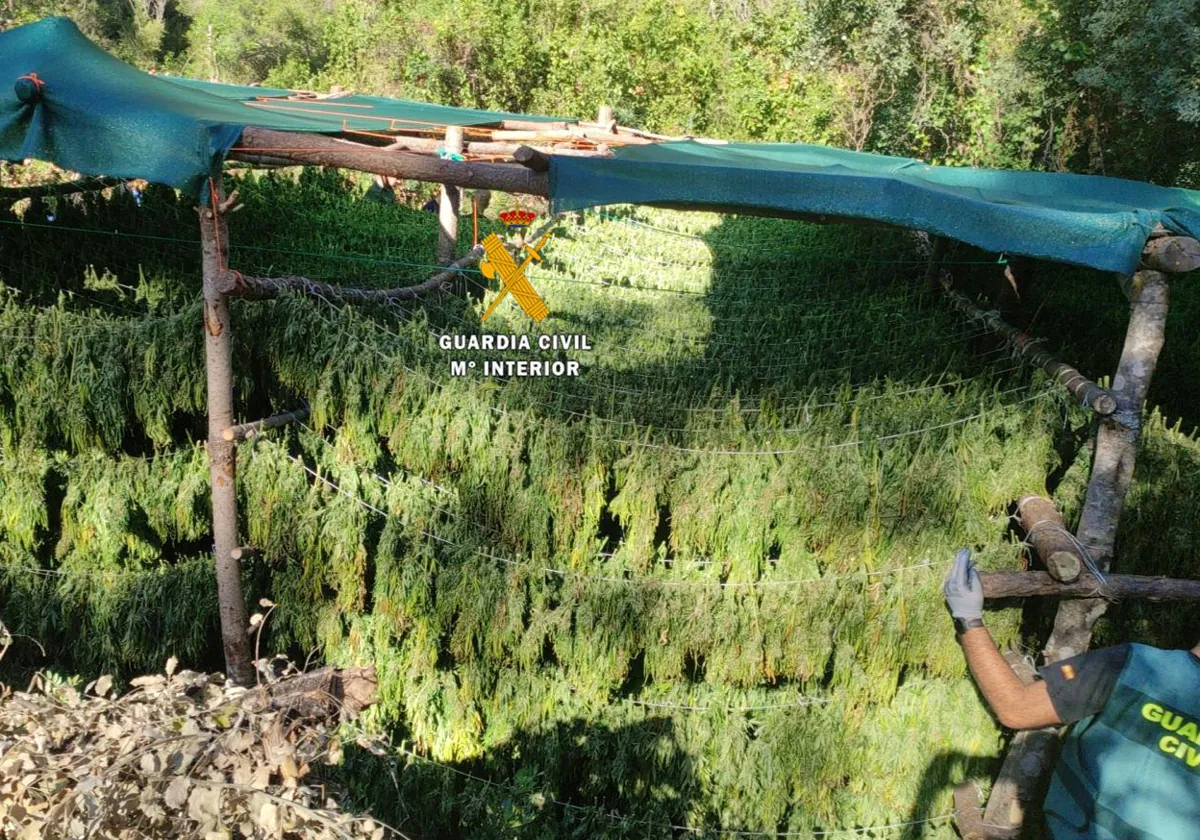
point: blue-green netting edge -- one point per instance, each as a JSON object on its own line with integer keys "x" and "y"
{"x": 1086, "y": 220}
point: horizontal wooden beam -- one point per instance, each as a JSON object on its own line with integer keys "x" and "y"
{"x": 245, "y": 552}
{"x": 1100, "y": 400}
{"x": 318, "y": 150}
{"x": 998, "y": 585}
{"x": 236, "y": 284}
{"x": 534, "y": 125}
{"x": 249, "y": 430}
{"x": 1171, "y": 254}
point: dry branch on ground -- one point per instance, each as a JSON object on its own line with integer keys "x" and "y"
{"x": 181, "y": 754}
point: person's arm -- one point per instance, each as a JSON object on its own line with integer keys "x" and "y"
{"x": 1017, "y": 705}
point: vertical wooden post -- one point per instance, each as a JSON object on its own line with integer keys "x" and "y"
{"x": 604, "y": 115}
{"x": 1031, "y": 753}
{"x": 449, "y": 202}
{"x": 214, "y": 241}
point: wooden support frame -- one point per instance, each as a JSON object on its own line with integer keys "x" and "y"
{"x": 245, "y": 431}
{"x": 1100, "y": 400}
{"x": 448, "y": 202}
{"x": 235, "y": 284}
{"x": 1032, "y": 752}
{"x": 999, "y": 585}
{"x": 222, "y": 453}
{"x": 318, "y": 150}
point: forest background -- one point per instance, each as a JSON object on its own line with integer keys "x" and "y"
{"x": 1098, "y": 86}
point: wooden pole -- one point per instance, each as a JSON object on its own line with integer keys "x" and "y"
{"x": 236, "y": 284}
{"x": 1100, "y": 400}
{"x": 222, "y": 454}
{"x": 998, "y": 585}
{"x": 604, "y": 116}
{"x": 248, "y": 430}
{"x": 1031, "y": 752}
{"x": 1054, "y": 544}
{"x": 318, "y": 150}
{"x": 448, "y": 203}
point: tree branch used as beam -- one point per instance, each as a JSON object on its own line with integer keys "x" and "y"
{"x": 249, "y": 430}
{"x": 235, "y": 284}
{"x": 997, "y": 585}
{"x": 317, "y": 150}
{"x": 1100, "y": 400}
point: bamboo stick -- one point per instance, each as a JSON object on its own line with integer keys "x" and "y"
{"x": 248, "y": 430}
{"x": 218, "y": 353}
{"x": 313, "y": 149}
{"x": 1100, "y": 400}
{"x": 235, "y": 284}
{"x": 999, "y": 585}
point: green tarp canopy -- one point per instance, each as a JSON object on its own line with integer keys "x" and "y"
{"x": 90, "y": 113}
{"x": 93, "y": 114}
{"x": 1082, "y": 219}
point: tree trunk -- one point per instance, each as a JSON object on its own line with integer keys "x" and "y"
{"x": 222, "y": 454}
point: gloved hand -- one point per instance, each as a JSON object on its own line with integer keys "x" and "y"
{"x": 963, "y": 588}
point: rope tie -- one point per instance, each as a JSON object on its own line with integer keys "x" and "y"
{"x": 29, "y": 87}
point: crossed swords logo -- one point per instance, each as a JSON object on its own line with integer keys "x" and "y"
{"x": 499, "y": 263}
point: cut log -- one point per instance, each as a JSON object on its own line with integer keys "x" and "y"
{"x": 1172, "y": 254}
{"x": 1054, "y": 544}
{"x": 325, "y": 694}
{"x": 531, "y": 158}
{"x": 534, "y": 125}
{"x": 998, "y": 585}
{"x": 317, "y": 150}
{"x": 245, "y": 552}
{"x": 1100, "y": 400}
{"x": 249, "y": 430}
{"x": 236, "y": 284}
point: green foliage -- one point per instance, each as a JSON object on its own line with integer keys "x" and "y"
{"x": 690, "y": 587}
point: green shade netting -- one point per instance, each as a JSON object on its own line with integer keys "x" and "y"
{"x": 1082, "y": 219}
{"x": 96, "y": 115}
